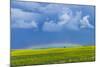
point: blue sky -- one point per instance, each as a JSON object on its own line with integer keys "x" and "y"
{"x": 36, "y": 24}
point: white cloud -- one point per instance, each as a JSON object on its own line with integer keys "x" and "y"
{"x": 74, "y": 21}
{"x": 52, "y": 9}
{"x": 23, "y": 24}
{"x": 51, "y": 26}
{"x": 66, "y": 21}
{"x": 65, "y": 16}
{"x": 85, "y": 22}
{"x": 69, "y": 22}
{"x": 20, "y": 14}
{"x": 22, "y": 19}
{"x": 36, "y": 6}
{"x": 29, "y": 6}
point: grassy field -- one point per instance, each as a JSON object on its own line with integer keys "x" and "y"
{"x": 52, "y": 55}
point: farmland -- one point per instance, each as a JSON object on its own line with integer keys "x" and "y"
{"x": 23, "y": 57}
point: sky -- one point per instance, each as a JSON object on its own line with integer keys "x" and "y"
{"x": 35, "y": 24}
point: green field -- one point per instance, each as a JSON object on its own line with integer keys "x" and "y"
{"x": 52, "y": 55}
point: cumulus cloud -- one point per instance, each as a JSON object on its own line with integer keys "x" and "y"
{"x": 40, "y": 7}
{"x": 85, "y": 22}
{"x": 26, "y": 15}
{"x": 65, "y": 17}
{"x": 66, "y": 21}
{"x": 51, "y": 26}
{"x": 52, "y": 8}
{"x": 74, "y": 21}
{"x": 20, "y": 14}
{"x": 23, "y": 24}
{"x": 28, "y": 6}
{"x": 22, "y": 19}
{"x": 69, "y": 22}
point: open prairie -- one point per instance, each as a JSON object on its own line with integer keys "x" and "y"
{"x": 23, "y": 57}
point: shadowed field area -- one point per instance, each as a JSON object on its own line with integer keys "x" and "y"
{"x": 52, "y": 55}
